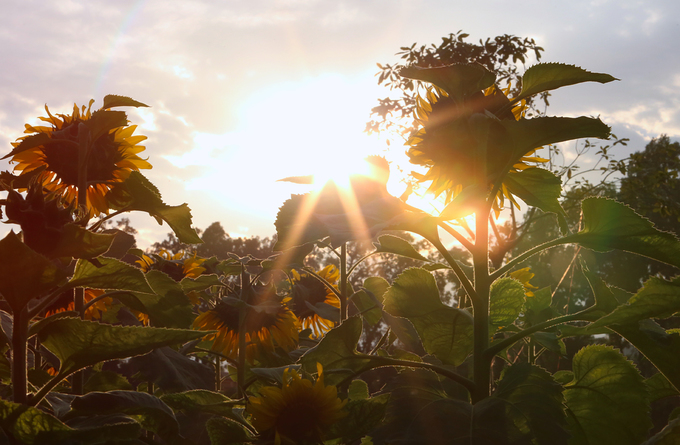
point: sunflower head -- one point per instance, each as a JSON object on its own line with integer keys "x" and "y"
{"x": 307, "y": 292}
{"x": 267, "y": 322}
{"x": 299, "y": 412}
{"x": 176, "y": 266}
{"x": 461, "y": 139}
{"x": 90, "y": 149}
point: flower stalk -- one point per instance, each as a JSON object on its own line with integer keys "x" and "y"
{"x": 19, "y": 356}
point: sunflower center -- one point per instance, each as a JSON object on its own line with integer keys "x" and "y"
{"x": 307, "y": 289}
{"x": 61, "y": 156}
{"x": 300, "y": 420}
{"x": 255, "y": 321}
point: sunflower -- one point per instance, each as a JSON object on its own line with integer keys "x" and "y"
{"x": 299, "y": 412}
{"x": 175, "y": 266}
{"x": 93, "y": 312}
{"x": 268, "y": 324}
{"x": 523, "y": 276}
{"x": 110, "y": 158}
{"x": 446, "y": 141}
{"x": 307, "y": 289}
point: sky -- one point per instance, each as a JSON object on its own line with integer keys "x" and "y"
{"x": 243, "y": 93}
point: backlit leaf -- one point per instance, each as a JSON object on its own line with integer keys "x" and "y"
{"x": 79, "y": 343}
{"x": 29, "y": 425}
{"x": 138, "y": 193}
{"x": 112, "y": 100}
{"x": 445, "y": 332}
{"x": 607, "y": 400}
{"x": 550, "y": 76}
{"x": 399, "y": 246}
{"x": 24, "y": 273}
{"x": 534, "y": 402}
{"x": 658, "y": 298}
{"x": 154, "y": 415}
{"x": 609, "y": 225}
{"x": 507, "y": 300}
{"x": 538, "y": 188}
{"x": 113, "y": 274}
{"x": 458, "y": 80}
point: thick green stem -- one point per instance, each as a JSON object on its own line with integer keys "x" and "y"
{"x": 481, "y": 365}
{"x": 19, "y": 348}
{"x": 245, "y": 297}
{"x": 343, "y": 282}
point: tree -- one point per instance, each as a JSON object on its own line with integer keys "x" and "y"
{"x": 499, "y": 55}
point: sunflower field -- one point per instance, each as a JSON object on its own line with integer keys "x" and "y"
{"x": 106, "y": 344}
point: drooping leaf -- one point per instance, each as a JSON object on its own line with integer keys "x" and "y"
{"x": 167, "y": 307}
{"x": 106, "y": 381}
{"x": 224, "y": 432}
{"x": 79, "y": 343}
{"x": 78, "y": 242}
{"x": 172, "y": 371}
{"x": 550, "y": 76}
{"x": 154, "y": 415}
{"x": 27, "y": 143}
{"x": 609, "y": 225}
{"x": 529, "y": 134}
{"x": 29, "y": 425}
{"x": 458, "y": 80}
{"x": 506, "y": 301}
{"x": 534, "y": 403}
{"x": 363, "y": 415}
{"x": 398, "y": 246}
{"x": 607, "y": 400}
{"x": 445, "y": 332}
{"x": 113, "y": 274}
{"x": 658, "y": 298}
{"x": 201, "y": 401}
{"x": 338, "y": 355}
{"x": 138, "y": 193}
{"x": 112, "y": 100}
{"x": 660, "y": 347}
{"x": 659, "y": 387}
{"x": 464, "y": 203}
{"x": 420, "y": 413}
{"x": 538, "y": 188}
{"x": 369, "y": 307}
{"x": 24, "y": 273}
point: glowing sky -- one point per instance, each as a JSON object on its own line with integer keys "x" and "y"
{"x": 246, "y": 92}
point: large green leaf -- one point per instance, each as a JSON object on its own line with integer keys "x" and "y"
{"x": 529, "y": 134}
{"x": 225, "y": 432}
{"x": 113, "y": 100}
{"x": 399, "y": 246}
{"x": 534, "y": 403}
{"x": 79, "y": 343}
{"x": 138, "y": 193}
{"x": 445, "y": 332}
{"x": 420, "y": 413}
{"x": 338, "y": 355}
{"x": 201, "y": 401}
{"x": 109, "y": 274}
{"x": 78, "y": 242}
{"x": 538, "y": 188}
{"x": 171, "y": 371}
{"x": 153, "y": 414}
{"x": 611, "y": 225}
{"x": 507, "y": 300}
{"x": 550, "y": 76}
{"x": 659, "y": 387}
{"x": 658, "y": 346}
{"x": 363, "y": 415}
{"x": 458, "y": 80}
{"x": 658, "y": 298}
{"x": 607, "y": 400}
{"x": 29, "y": 425}
{"x": 24, "y": 273}
{"x": 168, "y": 307}
{"x": 369, "y": 300}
